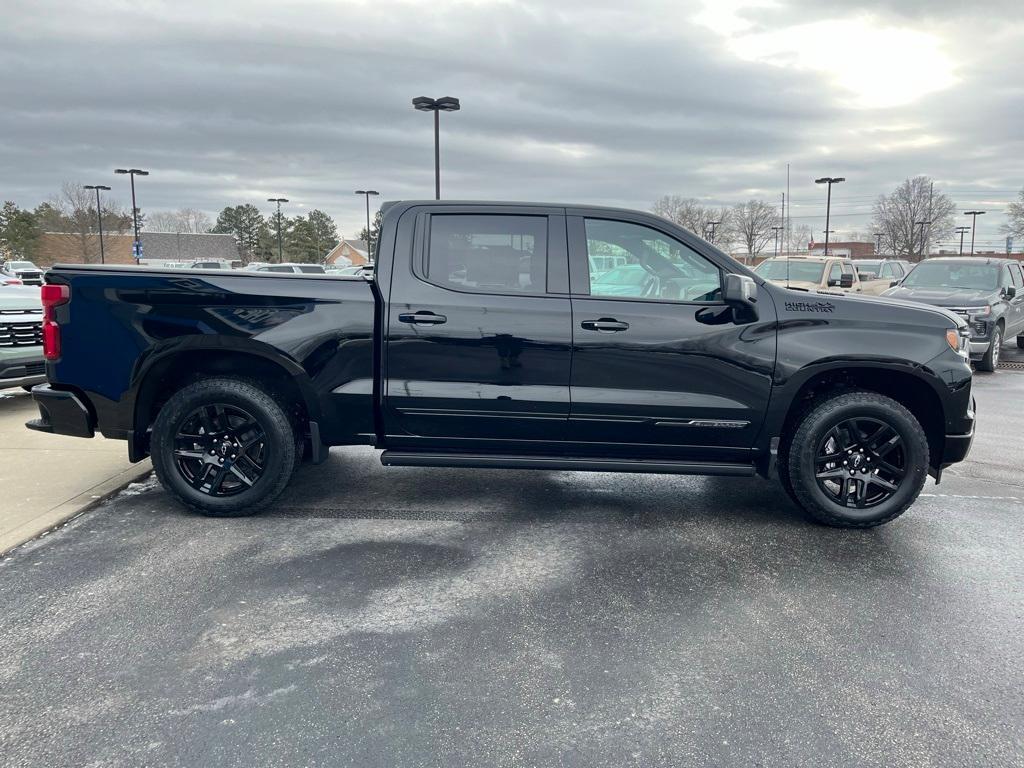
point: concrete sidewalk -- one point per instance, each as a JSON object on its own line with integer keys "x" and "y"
{"x": 47, "y": 479}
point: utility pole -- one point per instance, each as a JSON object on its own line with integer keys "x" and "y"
{"x": 776, "y": 231}
{"x": 922, "y": 225}
{"x": 711, "y": 225}
{"x": 99, "y": 215}
{"x": 367, "y": 193}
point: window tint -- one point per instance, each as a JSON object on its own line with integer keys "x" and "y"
{"x": 1006, "y": 281}
{"x": 311, "y": 269}
{"x": 888, "y": 270}
{"x": 645, "y": 264}
{"x": 897, "y": 270}
{"x": 490, "y": 254}
{"x": 835, "y": 273}
{"x": 276, "y": 269}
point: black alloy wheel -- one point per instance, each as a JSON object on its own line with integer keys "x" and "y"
{"x": 220, "y": 450}
{"x": 860, "y": 463}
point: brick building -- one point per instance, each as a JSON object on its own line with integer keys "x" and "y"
{"x": 157, "y": 248}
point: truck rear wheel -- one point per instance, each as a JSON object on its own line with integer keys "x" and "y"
{"x": 857, "y": 460}
{"x": 224, "y": 447}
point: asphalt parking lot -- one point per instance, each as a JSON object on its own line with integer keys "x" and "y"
{"x": 411, "y": 617}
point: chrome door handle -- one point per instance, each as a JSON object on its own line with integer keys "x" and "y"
{"x": 604, "y": 325}
{"x": 422, "y": 318}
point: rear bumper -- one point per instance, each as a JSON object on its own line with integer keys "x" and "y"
{"x": 61, "y": 413}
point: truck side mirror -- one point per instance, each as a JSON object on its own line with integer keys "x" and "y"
{"x": 1010, "y": 291}
{"x": 846, "y": 280}
{"x": 740, "y": 293}
{"x": 893, "y": 283}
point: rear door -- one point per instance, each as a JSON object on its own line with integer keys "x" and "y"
{"x": 478, "y": 329}
{"x": 1017, "y": 302}
{"x": 658, "y": 364}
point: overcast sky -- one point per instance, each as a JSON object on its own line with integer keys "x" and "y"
{"x": 618, "y": 103}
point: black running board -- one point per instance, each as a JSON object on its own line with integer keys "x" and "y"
{"x": 560, "y": 463}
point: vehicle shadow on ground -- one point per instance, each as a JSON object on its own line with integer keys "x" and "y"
{"x": 352, "y": 484}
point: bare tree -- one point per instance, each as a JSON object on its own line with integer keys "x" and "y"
{"x": 1014, "y": 225}
{"x": 802, "y": 236}
{"x": 691, "y": 214}
{"x": 897, "y": 216}
{"x": 73, "y": 212}
{"x": 183, "y": 221}
{"x": 751, "y": 225}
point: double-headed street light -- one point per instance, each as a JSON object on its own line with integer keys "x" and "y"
{"x": 133, "y": 172}
{"x": 962, "y": 231}
{"x": 776, "y": 230}
{"x": 710, "y": 228}
{"x": 278, "y": 200}
{"x": 99, "y": 214}
{"x": 878, "y": 242}
{"x": 830, "y": 180}
{"x": 974, "y": 225}
{"x": 437, "y": 106}
{"x": 367, "y": 193}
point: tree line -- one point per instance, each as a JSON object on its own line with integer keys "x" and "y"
{"x": 72, "y": 211}
{"x": 895, "y": 216}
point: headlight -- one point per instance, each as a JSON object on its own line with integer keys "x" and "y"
{"x": 979, "y": 311}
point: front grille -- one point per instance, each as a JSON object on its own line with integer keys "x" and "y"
{"x": 21, "y": 334}
{"x": 21, "y": 311}
{"x": 980, "y": 327}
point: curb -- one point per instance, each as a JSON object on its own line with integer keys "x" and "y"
{"x": 72, "y": 508}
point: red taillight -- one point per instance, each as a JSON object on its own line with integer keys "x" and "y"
{"x": 52, "y": 295}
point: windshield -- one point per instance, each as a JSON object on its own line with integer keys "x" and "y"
{"x": 955, "y": 274}
{"x": 798, "y": 271}
{"x": 867, "y": 267}
{"x": 22, "y": 265}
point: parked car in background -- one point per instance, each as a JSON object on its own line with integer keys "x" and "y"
{"x": 210, "y": 265}
{"x": 8, "y": 280}
{"x": 811, "y": 273}
{"x": 26, "y": 271}
{"x": 305, "y": 269}
{"x": 601, "y": 264}
{"x": 21, "y": 337}
{"x": 487, "y": 343}
{"x": 987, "y": 293}
{"x": 877, "y": 275}
{"x": 358, "y": 270}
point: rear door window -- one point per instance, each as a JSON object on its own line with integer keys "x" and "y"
{"x": 488, "y": 253}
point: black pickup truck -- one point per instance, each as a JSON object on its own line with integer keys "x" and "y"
{"x": 511, "y": 335}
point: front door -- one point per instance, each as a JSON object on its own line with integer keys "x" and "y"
{"x": 478, "y": 346}
{"x": 658, "y": 363}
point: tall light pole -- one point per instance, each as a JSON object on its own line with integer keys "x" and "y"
{"x": 367, "y": 193}
{"x": 878, "y": 243}
{"x": 437, "y": 106}
{"x": 776, "y": 231}
{"x": 830, "y": 180}
{"x": 133, "y": 172}
{"x": 278, "y": 200}
{"x": 99, "y": 214}
{"x": 922, "y": 225}
{"x": 962, "y": 231}
{"x": 974, "y": 225}
{"x": 710, "y": 226}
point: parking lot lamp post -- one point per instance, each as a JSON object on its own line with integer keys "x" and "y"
{"x": 830, "y": 180}
{"x": 710, "y": 228}
{"x": 776, "y": 230}
{"x": 974, "y": 225}
{"x": 962, "y": 231}
{"x": 99, "y": 214}
{"x": 132, "y": 173}
{"x": 878, "y": 243}
{"x": 437, "y": 106}
{"x": 922, "y": 225}
{"x": 278, "y": 200}
{"x": 367, "y": 193}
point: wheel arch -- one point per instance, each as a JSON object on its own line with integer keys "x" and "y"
{"x": 912, "y": 390}
{"x": 167, "y": 370}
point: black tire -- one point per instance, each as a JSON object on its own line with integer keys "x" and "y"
{"x": 271, "y": 434}
{"x": 818, "y": 495}
{"x": 1020, "y": 342}
{"x": 990, "y": 361}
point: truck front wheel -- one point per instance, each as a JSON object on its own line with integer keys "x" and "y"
{"x": 857, "y": 460}
{"x": 223, "y": 446}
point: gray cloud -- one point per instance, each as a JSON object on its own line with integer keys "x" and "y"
{"x": 232, "y": 102}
